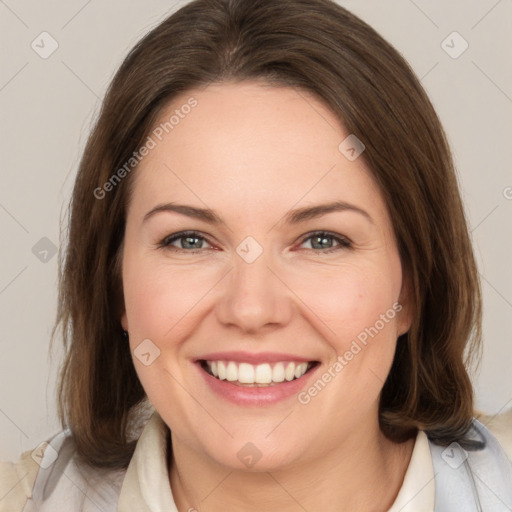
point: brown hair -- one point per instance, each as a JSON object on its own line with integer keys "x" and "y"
{"x": 316, "y": 46}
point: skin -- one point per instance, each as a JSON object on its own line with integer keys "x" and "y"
{"x": 252, "y": 152}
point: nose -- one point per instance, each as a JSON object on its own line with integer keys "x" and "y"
{"x": 254, "y": 297}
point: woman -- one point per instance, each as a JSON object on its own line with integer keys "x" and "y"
{"x": 267, "y": 246}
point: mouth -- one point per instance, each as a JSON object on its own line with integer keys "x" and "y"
{"x": 245, "y": 374}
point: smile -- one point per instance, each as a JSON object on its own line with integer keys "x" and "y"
{"x": 257, "y": 375}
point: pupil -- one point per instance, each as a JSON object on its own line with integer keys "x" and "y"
{"x": 322, "y": 240}
{"x": 196, "y": 244}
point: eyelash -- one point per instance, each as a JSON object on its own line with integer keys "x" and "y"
{"x": 343, "y": 242}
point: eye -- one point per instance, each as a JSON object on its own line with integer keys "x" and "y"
{"x": 324, "y": 242}
{"x": 193, "y": 241}
{"x": 187, "y": 241}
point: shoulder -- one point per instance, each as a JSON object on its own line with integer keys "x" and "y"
{"x": 500, "y": 426}
{"x": 37, "y": 478}
{"x": 17, "y": 481}
{"x": 479, "y": 467}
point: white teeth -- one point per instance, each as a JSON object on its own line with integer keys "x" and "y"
{"x": 221, "y": 369}
{"x": 300, "y": 370}
{"x": 246, "y": 373}
{"x": 290, "y": 371}
{"x": 232, "y": 372}
{"x": 278, "y": 372}
{"x": 263, "y": 374}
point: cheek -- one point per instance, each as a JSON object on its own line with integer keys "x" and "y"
{"x": 351, "y": 299}
{"x": 159, "y": 302}
{"x": 159, "y": 296}
{"x": 366, "y": 327}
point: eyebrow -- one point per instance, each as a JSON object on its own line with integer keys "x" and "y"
{"x": 292, "y": 217}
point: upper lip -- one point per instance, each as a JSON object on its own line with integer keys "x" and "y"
{"x": 253, "y": 357}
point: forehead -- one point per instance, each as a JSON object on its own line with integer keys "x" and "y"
{"x": 250, "y": 144}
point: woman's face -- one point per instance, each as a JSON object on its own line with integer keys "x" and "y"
{"x": 269, "y": 284}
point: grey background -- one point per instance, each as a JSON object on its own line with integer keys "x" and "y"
{"x": 48, "y": 105}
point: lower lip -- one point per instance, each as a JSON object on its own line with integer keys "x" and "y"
{"x": 246, "y": 395}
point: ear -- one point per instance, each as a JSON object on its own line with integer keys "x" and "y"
{"x": 119, "y": 292}
{"x": 124, "y": 321}
{"x": 405, "y": 316}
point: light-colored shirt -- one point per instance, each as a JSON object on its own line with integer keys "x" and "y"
{"x": 144, "y": 486}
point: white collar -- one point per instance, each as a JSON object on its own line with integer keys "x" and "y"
{"x": 146, "y": 485}
{"x": 418, "y": 488}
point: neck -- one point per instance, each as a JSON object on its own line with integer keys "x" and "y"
{"x": 363, "y": 474}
